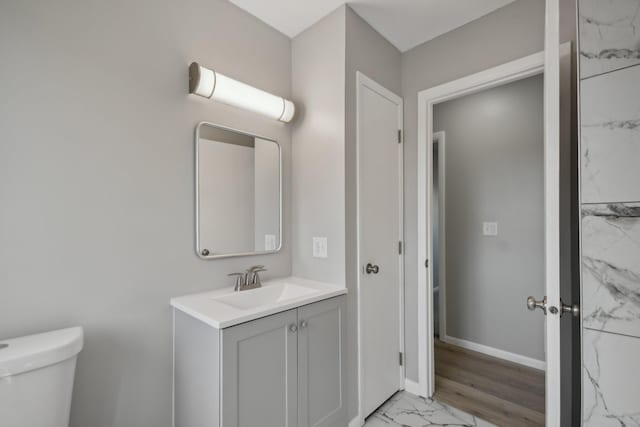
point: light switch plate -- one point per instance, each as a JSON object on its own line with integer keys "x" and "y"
{"x": 320, "y": 247}
{"x": 489, "y": 228}
{"x": 269, "y": 242}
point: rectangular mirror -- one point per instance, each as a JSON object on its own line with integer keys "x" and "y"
{"x": 238, "y": 193}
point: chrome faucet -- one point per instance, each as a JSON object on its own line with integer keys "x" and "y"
{"x": 241, "y": 281}
{"x": 253, "y": 278}
{"x": 250, "y": 279}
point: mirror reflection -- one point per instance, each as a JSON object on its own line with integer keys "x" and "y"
{"x": 238, "y": 182}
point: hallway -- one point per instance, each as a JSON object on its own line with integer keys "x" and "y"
{"x": 505, "y": 393}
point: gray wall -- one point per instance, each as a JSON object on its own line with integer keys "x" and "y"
{"x": 367, "y": 52}
{"x": 494, "y": 172}
{"x": 509, "y": 33}
{"x": 318, "y": 62}
{"x": 96, "y": 180}
{"x": 325, "y": 60}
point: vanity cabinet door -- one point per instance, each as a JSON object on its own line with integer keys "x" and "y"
{"x": 321, "y": 341}
{"x": 259, "y": 372}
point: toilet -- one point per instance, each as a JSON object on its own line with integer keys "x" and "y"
{"x": 36, "y": 378}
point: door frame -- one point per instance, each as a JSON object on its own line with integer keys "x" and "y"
{"x": 363, "y": 81}
{"x": 497, "y": 76}
{"x": 548, "y": 62}
{"x": 441, "y": 138}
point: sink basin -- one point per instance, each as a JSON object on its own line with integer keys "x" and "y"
{"x": 268, "y": 295}
{"x": 222, "y": 308}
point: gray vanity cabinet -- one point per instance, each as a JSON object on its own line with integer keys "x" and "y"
{"x": 260, "y": 369}
{"x": 321, "y": 366}
{"x": 282, "y": 370}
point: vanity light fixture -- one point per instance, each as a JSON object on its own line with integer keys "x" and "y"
{"x": 213, "y": 85}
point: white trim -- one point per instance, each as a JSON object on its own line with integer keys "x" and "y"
{"x": 411, "y": 386}
{"x": 363, "y": 80}
{"x": 496, "y": 76}
{"x": 495, "y": 352}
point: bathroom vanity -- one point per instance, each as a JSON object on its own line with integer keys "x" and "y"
{"x": 266, "y": 357}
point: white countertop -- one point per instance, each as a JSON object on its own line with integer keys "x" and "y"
{"x": 222, "y": 308}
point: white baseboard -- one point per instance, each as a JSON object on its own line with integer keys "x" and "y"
{"x": 491, "y": 351}
{"x": 411, "y": 386}
{"x": 355, "y": 422}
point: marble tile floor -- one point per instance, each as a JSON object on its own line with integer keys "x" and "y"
{"x": 407, "y": 410}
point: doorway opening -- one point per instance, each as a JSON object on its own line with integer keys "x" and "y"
{"x": 487, "y": 237}
{"x": 561, "y": 380}
{"x": 553, "y": 212}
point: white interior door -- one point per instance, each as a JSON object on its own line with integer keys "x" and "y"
{"x": 552, "y": 210}
{"x": 379, "y": 124}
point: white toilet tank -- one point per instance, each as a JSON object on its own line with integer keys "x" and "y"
{"x": 36, "y": 378}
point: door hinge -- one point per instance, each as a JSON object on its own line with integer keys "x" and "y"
{"x": 400, "y": 247}
{"x": 401, "y": 358}
{"x": 426, "y": 263}
{"x": 399, "y": 136}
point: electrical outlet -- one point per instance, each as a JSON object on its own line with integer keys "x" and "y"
{"x": 320, "y": 247}
{"x": 489, "y": 228}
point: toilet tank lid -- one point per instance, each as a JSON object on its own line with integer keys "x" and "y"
{"x": 32, "y": 352}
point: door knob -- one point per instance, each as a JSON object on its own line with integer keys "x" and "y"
{"x": 574, "y": 309}
{"x": 372, "y": 268}
{"x": 532, "y": 304}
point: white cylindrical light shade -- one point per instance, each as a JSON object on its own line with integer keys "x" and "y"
{"x": 288, "y": 112}
{"x": 211, "y": 84}
{"x": 238, "y": 94}
{"x": 202, "y": 80}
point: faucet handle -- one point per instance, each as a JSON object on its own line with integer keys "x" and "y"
{"x": 235, "y": 274}
{"x": 241, "y": 279}
{"x": 255, "y": 278}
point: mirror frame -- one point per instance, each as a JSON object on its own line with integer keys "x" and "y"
{"x": 197, "y": 194}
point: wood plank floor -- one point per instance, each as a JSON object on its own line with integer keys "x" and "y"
{"x": 501, "y": 392}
